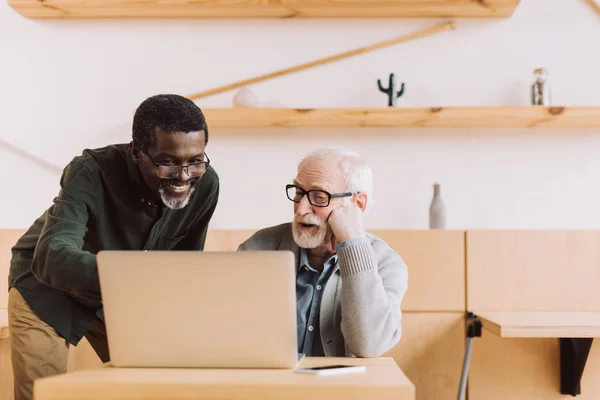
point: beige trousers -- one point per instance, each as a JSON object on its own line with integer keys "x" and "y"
{"x": 37, "y": 350}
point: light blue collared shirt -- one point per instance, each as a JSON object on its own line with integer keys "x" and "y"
{"x": 309, "y": 292}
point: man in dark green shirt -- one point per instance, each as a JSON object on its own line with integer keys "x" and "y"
{"x": 157, "y": 193}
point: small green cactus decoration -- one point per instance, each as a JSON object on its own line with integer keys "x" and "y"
{"x": 391, "y": 90}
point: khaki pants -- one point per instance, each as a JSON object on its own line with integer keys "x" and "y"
{"x": 37, "y": 350}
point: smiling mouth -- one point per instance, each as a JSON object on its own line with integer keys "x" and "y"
{"x": 178, "y": 188}
{"x": 306, "y": 226}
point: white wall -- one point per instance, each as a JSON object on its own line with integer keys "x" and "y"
{"x": 68, "y": 85}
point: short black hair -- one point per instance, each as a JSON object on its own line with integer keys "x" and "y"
{"x": 169, "y": 113}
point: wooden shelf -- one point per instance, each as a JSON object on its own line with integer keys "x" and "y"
{"x": 542, "y": 324}
{"x": 443, "y": 117}
{"x": 264, "y": 8}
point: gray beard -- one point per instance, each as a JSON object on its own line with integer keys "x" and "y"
{"x": 307, "y": 241}
{"x": 175, "y": 204}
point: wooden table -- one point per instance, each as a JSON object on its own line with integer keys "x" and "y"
{"x": 575, "y": 331}
{"x": 382, "y": 380}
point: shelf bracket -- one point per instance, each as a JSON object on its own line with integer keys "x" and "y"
{"x": 473, "y": 325}
{"x": 573, "y": 356}
{"x": 473, "y": 330}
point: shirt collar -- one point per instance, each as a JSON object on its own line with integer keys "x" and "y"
{"x": 304, "y": 260}
{"x": 146, "y": 195}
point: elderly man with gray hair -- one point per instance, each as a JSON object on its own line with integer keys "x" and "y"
{"x": 349, "y": 283}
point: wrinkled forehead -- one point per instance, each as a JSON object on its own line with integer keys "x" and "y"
{"x": 180, "y": 144}
{"x": 321, "y": 174}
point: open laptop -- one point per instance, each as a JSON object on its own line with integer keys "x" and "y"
{"x": 200, "y": 309}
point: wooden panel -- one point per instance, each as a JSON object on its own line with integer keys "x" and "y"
{"x": 8, "y": 238}
{"x": 264, "y": 8}
{"x": 226, "y": 240}
{"x": 83, "y": 356}
{"x": 431, "y": 353}
{"x": 219, "y": 240}
{"x": 525, "y": 369}
{"x": 402, "y": 117}
{"x": 436, "y": 268}
{"x": 6, "y": 376}
{"x": 542, "y": 324}
{"x": 3, "y": 323}
{"x": 435, "y": 260}
{"x": 533, "y": 270}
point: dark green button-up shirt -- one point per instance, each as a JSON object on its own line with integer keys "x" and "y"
{"x": 103, "y": 204}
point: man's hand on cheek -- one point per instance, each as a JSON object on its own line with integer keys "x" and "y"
{"x": 346, "y": 222}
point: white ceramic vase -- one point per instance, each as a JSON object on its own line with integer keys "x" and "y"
{"x": 437, "y": 211}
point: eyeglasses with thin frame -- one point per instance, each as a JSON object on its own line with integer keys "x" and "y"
{"x": 170, "y": 171}
{"x": 318, "y": 198}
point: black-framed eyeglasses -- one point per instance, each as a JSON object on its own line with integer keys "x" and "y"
{"x": 318, "y": 198}
{"x": 170, "y": 171}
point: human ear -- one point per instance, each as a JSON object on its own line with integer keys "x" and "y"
{"x": 136, "y": 153}
{"x": 360, "y": 200}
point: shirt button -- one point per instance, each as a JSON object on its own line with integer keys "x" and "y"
{"x": 310, "y": 328}
{"x": 319, "y": 287}
{"x": 143, "y": 200}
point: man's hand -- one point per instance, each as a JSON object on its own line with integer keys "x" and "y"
{"x": 346, "y": 222}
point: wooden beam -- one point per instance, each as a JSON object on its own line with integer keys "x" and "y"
{"x": 450, "y": 25}
{"x": 594, "y": 5}
{"x": 388, "y": 117}
{"x": 31, "y": 156}
{"x": 264, "y": 8}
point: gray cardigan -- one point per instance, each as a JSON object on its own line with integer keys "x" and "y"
{"x": 360, "y": 310}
